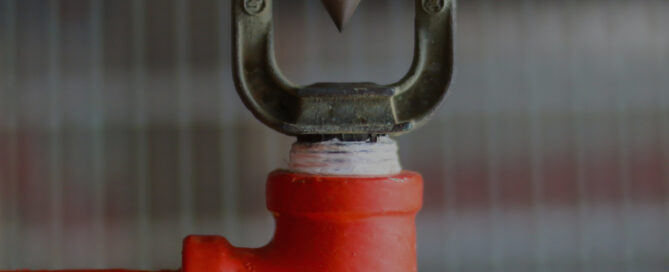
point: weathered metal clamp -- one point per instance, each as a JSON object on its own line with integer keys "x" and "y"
{"x": 342, "y": 108}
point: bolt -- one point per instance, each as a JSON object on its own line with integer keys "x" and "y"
{"x": 433, "y": 6}
{"x": 254, "y": 7}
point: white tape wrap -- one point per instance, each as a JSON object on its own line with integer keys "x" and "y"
{"x": 336, "y": 157}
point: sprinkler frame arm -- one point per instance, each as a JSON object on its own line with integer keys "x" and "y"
{"x": 341, "y": 108}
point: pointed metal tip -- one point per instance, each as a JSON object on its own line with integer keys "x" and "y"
{"x": 340, "y": 27}
{"x": 341, "y": 11}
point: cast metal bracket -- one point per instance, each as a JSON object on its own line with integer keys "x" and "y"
{"x": 341, "y": 108}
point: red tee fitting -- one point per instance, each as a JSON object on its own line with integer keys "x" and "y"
{"x": 325, "y": 223}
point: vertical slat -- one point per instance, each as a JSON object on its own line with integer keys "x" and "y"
{"x": 356, "y": 57}
{"x": 492, "y": 161}
{"x": 229, "y": 173}
{"x": 311, "y": 67}
{"x": 184, "y": 117}
{"x": 575, "y": 76}
{"x": 450, "y": 240}
{"x": 12, "y": 233}
{"x": 574, "y": 110}
{"x": 140, "y": 135}
{"x": 662, "y": 65}
{"x": 536, "y": 148}
{"x": 4, "y": 100}
{"x": 55, "y": 137}
{"x": 578, "y": 110}
{"x": 98, "y": 127}
{"x": 449, "y": 123}
{"x": 13, "y": 141}
{"x": 618, "y": 77}
{"x": 228, "y": 126}
{"x": 450, "y": 126}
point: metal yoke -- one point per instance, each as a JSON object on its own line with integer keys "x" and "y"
{"x": 341, "y": 108}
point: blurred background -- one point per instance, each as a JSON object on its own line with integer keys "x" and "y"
{"x": 121, "y": 132}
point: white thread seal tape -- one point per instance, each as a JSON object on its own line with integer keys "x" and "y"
{"x": 335, "y": 157}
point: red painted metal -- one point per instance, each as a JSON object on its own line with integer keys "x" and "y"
{"x": 325, "y": 223}
{"x": 86, "y": 270}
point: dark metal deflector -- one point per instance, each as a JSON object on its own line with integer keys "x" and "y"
{"x": 341, "y": 11}
{"x": 341, "y": 108}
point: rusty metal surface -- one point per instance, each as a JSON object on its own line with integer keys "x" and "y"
{"x": 341, "y": 108}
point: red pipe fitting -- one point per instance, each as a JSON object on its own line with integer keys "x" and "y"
{"x": 325, "y": 223}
